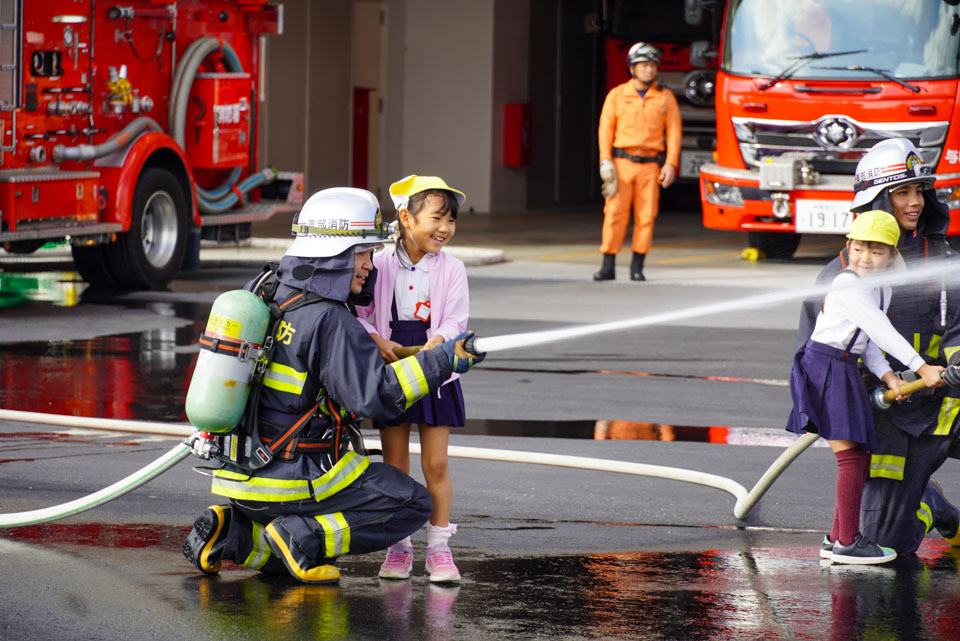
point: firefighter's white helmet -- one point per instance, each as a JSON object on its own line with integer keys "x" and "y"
{"x": 890, "y": 163}
{"x": 336, "y": 219}
{"x": 643, "y": 52}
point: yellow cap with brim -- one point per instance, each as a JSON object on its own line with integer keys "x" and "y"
{"x": 875, "y": 226}
{"x": 402, "y": 190}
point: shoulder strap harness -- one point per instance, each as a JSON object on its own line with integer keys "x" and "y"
{"x": 246, "y": 447}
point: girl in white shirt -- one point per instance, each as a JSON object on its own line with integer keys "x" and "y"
{"x": 829, "y": 395}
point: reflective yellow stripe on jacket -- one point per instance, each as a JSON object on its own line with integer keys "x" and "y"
{"x": 411, "y": 378}
{"x": 259, "y": 488}
{"x": 887, "y": 466}
{"x": 284, "y": 379}
{"x": 948, "y": 414}
{"x": 948, "y": 352}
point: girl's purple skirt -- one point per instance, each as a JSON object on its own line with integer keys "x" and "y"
{"x": 829, "y": 396}
{"x": 442, "y": 406}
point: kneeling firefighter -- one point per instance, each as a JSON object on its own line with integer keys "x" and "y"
{"x": 300, "y": 495}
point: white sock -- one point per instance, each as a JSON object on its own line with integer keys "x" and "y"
{"x": 439, "y": 534}
{"x": 403, "y": 542}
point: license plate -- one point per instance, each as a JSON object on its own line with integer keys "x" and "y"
{"x": 690, "y": 162}
{"x": 823, "y": 217}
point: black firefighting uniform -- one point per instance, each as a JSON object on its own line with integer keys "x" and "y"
{"x": 318, "y": 500}
{"x": 916, "y": 436}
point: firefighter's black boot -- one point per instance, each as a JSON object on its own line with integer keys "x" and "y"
{"x": 636, "y": 267}
{"x": 204, "y": 544}
{"x": 607, "y": 271}
{"x": 946, "y": 516}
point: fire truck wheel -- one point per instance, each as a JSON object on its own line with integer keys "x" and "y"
{"x": 774, "y": 244}
{"x": 150, "y": 254}
{"x": 91, "y": 263}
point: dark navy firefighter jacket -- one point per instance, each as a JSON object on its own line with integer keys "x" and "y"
{"x": 322, "y": 348}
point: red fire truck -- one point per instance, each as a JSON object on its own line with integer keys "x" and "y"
{"x": 804, "y": 89}
{"x": 129, "y": 130}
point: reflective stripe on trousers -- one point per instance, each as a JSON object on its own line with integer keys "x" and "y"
{"x": 260, "y": 553}
{"x": 336, "y": 534}
{"x": 887, "y": 466}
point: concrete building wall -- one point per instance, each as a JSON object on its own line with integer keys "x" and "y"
{"x": 511, "y": 41}
{"x": 447, "y": 107}
{"x": 440, "y": 69}
{"x": 367, "y": 63}
{"x": 307, "y": 115}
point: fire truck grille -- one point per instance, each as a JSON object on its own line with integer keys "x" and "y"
{"x": 832, "y": 144}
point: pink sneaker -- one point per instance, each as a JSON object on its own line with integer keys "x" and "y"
{"x": 440, "y": 565}
{"x": 398, "y": 563}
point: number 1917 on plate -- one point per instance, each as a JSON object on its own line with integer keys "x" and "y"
{"x": 823, "y": 217}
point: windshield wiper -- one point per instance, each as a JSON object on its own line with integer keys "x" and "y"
{"x": 880, "y": 72}
{"x": 800, "y": 61}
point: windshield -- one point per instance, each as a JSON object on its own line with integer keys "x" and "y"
{"x": 653, "y": 20}
{"x": 904, "y": 38}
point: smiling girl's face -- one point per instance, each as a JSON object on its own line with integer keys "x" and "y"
{"x": 428, "y": 230}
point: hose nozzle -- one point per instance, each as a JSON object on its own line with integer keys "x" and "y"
{"x": 882, "y": 398}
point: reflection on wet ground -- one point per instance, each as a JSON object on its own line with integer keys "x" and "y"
{"x": 63, "y": 289}
{"x": 145, "y": 375}
{"x": 750, "y": 593}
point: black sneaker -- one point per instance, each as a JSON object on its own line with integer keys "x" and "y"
{"x": 862, "y": 552}
{"x": 209, "y": 529}
{"x": 826, "y": 547}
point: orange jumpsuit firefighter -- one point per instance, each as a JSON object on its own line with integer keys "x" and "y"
{"x": 640, "y": 129}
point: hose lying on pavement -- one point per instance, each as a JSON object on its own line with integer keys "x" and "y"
{"x": 745, "y": 500}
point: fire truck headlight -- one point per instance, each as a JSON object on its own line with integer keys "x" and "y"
{"x": 950, "y": 196}
{"x": 721, "y": 194}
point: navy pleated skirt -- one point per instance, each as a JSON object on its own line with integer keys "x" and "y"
{"x": 442, "y": 406}
{"x": 829, "y": 397}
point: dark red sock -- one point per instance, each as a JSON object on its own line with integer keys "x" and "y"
{"x": 851, "y": 472}
{"x": 835, "y": 528}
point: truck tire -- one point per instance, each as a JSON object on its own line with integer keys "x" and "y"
{"x": 91, "y": 264}
{"x": 150, "y": 253}
{"x": 774, "y": 244}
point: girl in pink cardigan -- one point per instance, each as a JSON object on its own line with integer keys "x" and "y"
{"x": 420, "y": 298}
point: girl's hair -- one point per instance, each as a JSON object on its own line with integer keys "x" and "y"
{"x": 416, "y": 203}
{"x": 873, "y": 244}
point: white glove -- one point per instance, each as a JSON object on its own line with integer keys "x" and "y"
{"x": 608, "y": 177}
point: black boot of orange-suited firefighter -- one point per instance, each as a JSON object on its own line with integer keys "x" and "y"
{"x": 636, "y": 267}
{"x": 607, "y": 269}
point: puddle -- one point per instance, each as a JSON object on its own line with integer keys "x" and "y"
{"x": 145, "y": 376}
{"x": 632, "y": 430}
{"x": 142, "y": 375}
{"x": 751, "y": 593}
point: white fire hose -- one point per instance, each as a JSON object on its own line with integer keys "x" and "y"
{"x": 745, "y": 500}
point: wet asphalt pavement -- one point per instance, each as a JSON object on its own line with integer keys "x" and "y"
{"x": 545, "y": 552}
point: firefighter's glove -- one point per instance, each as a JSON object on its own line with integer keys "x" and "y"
{"x": 951, "y": 376}
{"x": 461, "y": 359}
{"x": 608, "y": 179}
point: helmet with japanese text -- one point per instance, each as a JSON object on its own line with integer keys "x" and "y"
{"x": 337, "y": 219}
{"x": 890, "y": 163}
{"x": 643, "y": 52}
